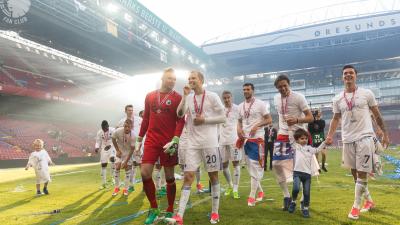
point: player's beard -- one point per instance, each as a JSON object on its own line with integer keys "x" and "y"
{"x": 248, "y": 97}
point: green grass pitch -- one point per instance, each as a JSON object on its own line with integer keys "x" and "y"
{"x": 75, "y": 191}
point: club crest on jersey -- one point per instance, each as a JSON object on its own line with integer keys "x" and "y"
{"x": 168, "y": 102}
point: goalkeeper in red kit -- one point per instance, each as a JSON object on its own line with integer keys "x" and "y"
{"x": 162, "y": 128}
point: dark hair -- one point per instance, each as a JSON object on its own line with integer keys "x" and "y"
{"x": 226, "y": 93}
{"x": 299, "y": 133}
{"x": 104, "y": 124}
{"x": 281, "y": 77}
{"x": 141, "y": 112}
{"x": 249, "y": 84}
{"x": 128, "y": 106}
{"x": 128, "y": 121}
{"x": 349, "y": 67}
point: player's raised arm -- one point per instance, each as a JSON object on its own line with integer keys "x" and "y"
{"x": 321, "y": 147}
{"x": 182, "y": 107}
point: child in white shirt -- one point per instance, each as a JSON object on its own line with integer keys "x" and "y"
{"x": 304, "y": 160}
{"x": 40, "y": 161}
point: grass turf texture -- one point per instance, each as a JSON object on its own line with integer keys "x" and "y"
{"x": 80, "y": 201}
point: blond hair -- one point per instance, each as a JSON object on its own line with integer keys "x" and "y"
{"x": 38, "y": 141}
{"x": 199, "y": 75}
{"x": 169, "y": 70}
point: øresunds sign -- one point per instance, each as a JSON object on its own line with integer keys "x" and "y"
{"x": 356, "y": 26}
{"x": 314, "y": 32}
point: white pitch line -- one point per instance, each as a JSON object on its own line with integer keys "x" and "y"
{"x": 333, "y": 186}
{"x": 68, "y": 173}
{"x": 248, "y": 182}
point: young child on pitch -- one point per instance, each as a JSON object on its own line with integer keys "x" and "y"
{"x": 40, "y": 161}
{"x": 305, "y": 165}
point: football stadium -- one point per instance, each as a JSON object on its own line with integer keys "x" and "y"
{"x": 109, "y": 114}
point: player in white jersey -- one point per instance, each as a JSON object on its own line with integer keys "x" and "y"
{"x": 107, "y": 151}
{"x": 294, "y": 113}
{"x": 377, "y": 166}
{"x": 183, "y": 145}
{"x": 40, "y": 161}
{"x": 123, "y": 140}
{"x": 227, "y": 145}
{"x": 253, "y": 116}
{"x": 204, "y": 112}
{"x": 352, "y": 106}
{"x": 137, "y": 120}
{"x": 136, "y": 123}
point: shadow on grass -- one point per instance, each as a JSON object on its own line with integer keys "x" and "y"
{"x": 72, "y": 210}
{"x": 124, "y": 213}
{"x": 98, "y": 211}
{"x": 373, "y": 221}
{"x": 363, "y": 218}
{"x": 388, "y": 192}
{"x": 386, "y": 213}
{"x": 332, "y": 219}
{"x": 18, "y": 203}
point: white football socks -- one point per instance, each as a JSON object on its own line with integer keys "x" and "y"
{"x": 367, "y": 195}
{"x": 227, "y": 175}
{"x": 236, "y": 177}
{"x": 157, "y": 179}
{"x": 104, "y": 175}
{"x": 133, "y": 175}
{"x": 127, "y": 177}
{"x": 359, "y": 189}
{"x": 117, "y": 172}
{"x": 253, "y": 187}
{"x": 215, "y": 193}
{"x": 198, "y": 176}
{"x": 185, "y": 194}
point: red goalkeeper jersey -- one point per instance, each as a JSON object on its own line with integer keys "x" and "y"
{"x": 160, "y": 121}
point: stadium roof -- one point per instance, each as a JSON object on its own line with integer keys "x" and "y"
{"x": 29, "y": 56}
{"x": 334, "y": 12}
{"x": 340, "y": 11}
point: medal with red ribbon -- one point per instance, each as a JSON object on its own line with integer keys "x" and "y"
{"x": 284, "y": 107}
{"x": 350, "y": 104}
{"x": 199, "y": 109}
{"x": 247, "y": 112}
{"x": 228, "y": 111}
{"x": 126, "y": 137}
{"x": 159, "y": 102}
{"x": 106, "y": 135}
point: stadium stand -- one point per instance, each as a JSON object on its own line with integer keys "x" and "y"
{"x": 60, "y": 138}
{"x": 16, "y": 78}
